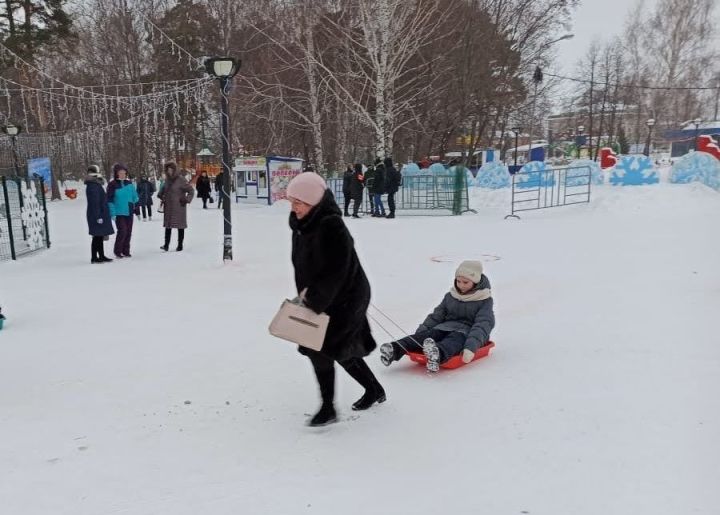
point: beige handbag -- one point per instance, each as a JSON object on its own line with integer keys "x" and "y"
{"x": 299, "y": 324}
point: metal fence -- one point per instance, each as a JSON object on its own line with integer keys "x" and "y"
{"x": 23, "y": 217}
{"x": 552, "y": 187}
{"x": 421, "y": 194}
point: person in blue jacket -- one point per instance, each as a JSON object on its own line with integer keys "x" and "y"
{"x": 122, "y": 200}
{"x": 98, "y": 215}
{"x": 459, "y": 325}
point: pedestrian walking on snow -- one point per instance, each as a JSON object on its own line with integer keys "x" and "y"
{"x": 204, "y": 188}
{"x": 330, "y": 279}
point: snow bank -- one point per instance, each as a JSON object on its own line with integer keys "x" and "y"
{"x": 697, "y": 167}
{"x": 493, "y": 175}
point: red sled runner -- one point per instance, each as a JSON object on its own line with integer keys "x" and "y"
{"x": 455, "y": 361}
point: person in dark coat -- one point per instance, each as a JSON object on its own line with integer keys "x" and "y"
{"x": 377, "y": 189}
{"x": 347, "y": 179}
{"x": 356, "y": 188}
{"x": 392, "y": 184}
{"x": 145, "y": 190}
{"x": 176, "y": 194}
{"x": 204, "y": 189}
{"x": 219, "y": 178}
{"x": 461, "y": 323}
{"x": 329, "y": 279}
{"x": 98, "y": 215}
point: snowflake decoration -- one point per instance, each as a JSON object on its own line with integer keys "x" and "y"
{"x": 33, "y": 216}
{"x": 535, "y": 174}
{"x": 697, "y": 167}
{"x": 634, "y": 171}
{"x": 493, "y": 175}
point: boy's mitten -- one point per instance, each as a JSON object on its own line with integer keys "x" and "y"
{"x": 467, "y": 355}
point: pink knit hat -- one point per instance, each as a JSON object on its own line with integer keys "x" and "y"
{"x": 307, "y": 187}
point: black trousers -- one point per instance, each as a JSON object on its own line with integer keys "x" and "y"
{"x": 391, "y": 203}
{"x": 168, "y": 234}
{"x": 124, "y": 226}
{"x": 146, "y": 211}
{"x": 347, "y": 203}
{"x": 97, "y": 249}
{"x": 324, "y": 367}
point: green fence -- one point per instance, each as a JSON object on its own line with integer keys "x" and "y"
{"x": 422, "y": 194}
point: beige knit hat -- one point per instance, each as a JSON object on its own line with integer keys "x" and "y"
{"x": 472, "y": 270}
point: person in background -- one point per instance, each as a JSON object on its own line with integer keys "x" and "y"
{"x": 219, "y": 178}
{"x": 356, "y": 188}
{"x": 98, "y": 215}
{"x": 177, "y": 193}
{"x": 347, "y": 179}
{"x": 145, "y": 190}
{"x": 392, "y": 184}
{"x": 377, "y": 189}
{"x": 203, "y": 188}
{"x": 122, "y": 201}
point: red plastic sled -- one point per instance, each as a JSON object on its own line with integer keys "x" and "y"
{"x": 455, "y": 361}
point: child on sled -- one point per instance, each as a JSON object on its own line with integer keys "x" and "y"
{"x": 461, "y": 323}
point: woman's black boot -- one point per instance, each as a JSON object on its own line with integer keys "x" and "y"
{"x": 374, "y": 392}
{"x": 326, "y": 415}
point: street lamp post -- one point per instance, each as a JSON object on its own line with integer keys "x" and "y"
{"x": 13, "y": 131}
{"x": 224, "y": 69}
{"x": 650, "y": 124}
{"x": 516, "y": 130}
{"x": 537, "y": 79}
{"x": 697, "y": 122}
{"x": 578, "y": 139}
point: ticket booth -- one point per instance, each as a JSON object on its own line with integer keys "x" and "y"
{"x": 251, "y": 179}
{"x": 264, "y": 179}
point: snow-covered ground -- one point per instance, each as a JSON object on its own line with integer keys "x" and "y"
{"x": 151, "y": 385}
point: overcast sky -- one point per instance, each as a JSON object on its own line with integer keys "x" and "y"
{"x": 601, "y": 19}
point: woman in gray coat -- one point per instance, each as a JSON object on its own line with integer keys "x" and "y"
{"x": 176, "y": 194}
{"x": 460, "y": 324}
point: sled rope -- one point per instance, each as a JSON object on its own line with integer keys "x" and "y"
{"x": 402, "y": 331}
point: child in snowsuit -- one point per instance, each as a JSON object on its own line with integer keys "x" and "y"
{"x": 460, "y": 324}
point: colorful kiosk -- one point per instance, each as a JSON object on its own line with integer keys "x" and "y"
{"x": 264, "y": 179}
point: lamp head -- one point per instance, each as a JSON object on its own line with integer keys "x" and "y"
{"x": 222, "y": 67}
{"x": 11, "y": 129}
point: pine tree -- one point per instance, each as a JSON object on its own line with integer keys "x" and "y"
{"x": 27, "y": 25}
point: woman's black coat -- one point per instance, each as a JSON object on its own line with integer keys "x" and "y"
{"x": 325, "y": 261}
{"x": 203, "y": 187}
